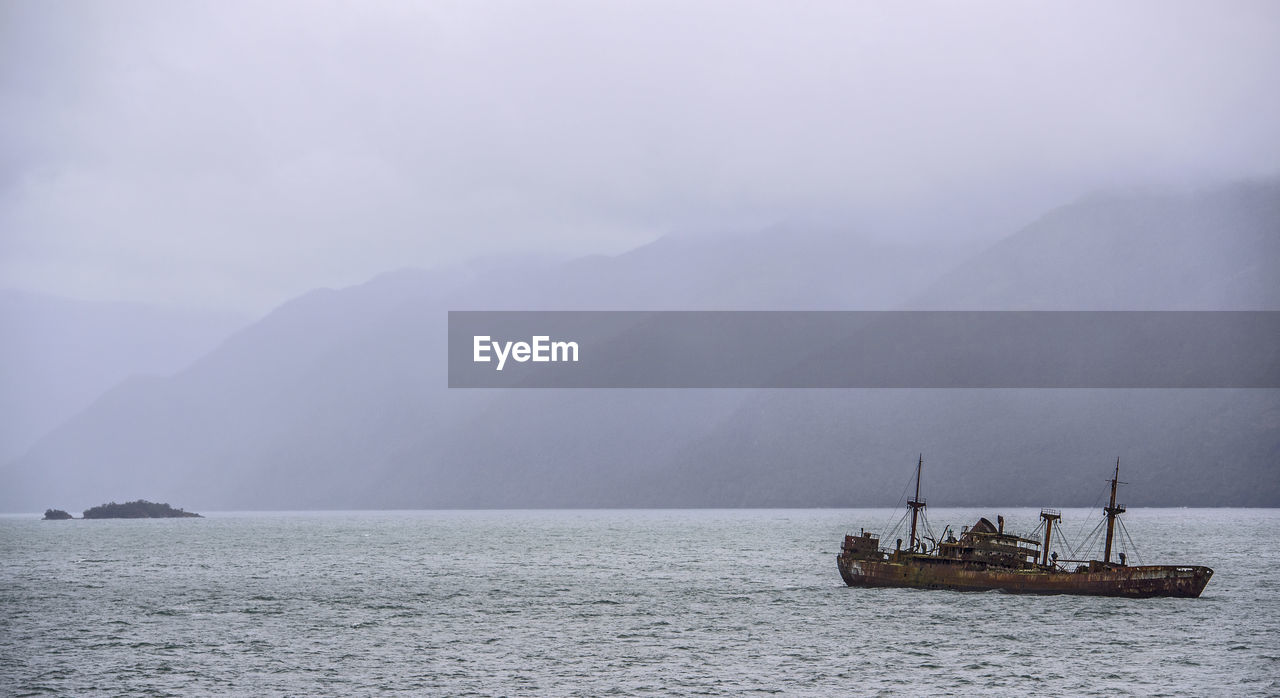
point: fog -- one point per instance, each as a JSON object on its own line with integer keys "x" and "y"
{"x": 230, "y": 233}
{"x": 231, "y": 155}
{"x": 339, "y": 398}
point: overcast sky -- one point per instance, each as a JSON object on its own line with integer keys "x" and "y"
{"x": 232, "y": 154}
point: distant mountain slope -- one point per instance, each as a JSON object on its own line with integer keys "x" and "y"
{"x": 996, "y": 447}
{"x": 1217, "y": 249}
{"x": 60, "y": 354}
{"x": 338, "y": 398}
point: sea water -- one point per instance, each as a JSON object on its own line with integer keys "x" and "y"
{"x": 710, "y": 602}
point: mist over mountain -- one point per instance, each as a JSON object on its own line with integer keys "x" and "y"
{"x": 1215, "y": 249}
{"x": 338, "y": 398}
{"x": 60, "y": 354}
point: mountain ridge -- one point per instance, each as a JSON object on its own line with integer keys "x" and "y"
{"x": 337, "y": 399}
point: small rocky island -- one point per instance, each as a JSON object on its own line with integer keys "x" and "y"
{"x": 140, "y": 509}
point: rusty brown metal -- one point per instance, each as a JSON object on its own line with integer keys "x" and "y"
{"x": 986, "y": 558}
{"x": 1049, "y": 516}
{"x": 931, "y": 572}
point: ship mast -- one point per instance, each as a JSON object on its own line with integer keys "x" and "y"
{"x": 915, "y": 504}
{"x": 1112, "y": 512}
{"x": 1049, "y": 516}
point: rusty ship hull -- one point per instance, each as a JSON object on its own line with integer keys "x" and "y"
{"x": 927, "y": 572}
{"x": 986, "y": 557}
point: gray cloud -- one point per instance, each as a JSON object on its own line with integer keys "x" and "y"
{"x": 234, "y": 154}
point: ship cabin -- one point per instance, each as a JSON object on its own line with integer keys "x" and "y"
{"x": 988, "y": 543}
{"x": 864, "y": 546}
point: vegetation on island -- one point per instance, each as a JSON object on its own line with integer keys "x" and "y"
{"x": 56, "y": 515}
{"x": 140, "y": 509}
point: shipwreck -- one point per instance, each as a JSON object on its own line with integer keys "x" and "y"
{"x": 985, "y": 558}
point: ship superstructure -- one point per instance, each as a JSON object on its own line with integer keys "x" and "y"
{"x": 985, "y": 557}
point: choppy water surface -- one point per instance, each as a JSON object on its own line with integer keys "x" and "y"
{"x": 599, "y": 603}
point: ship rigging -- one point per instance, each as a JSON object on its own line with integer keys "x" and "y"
{"x": 986, "y": 557}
